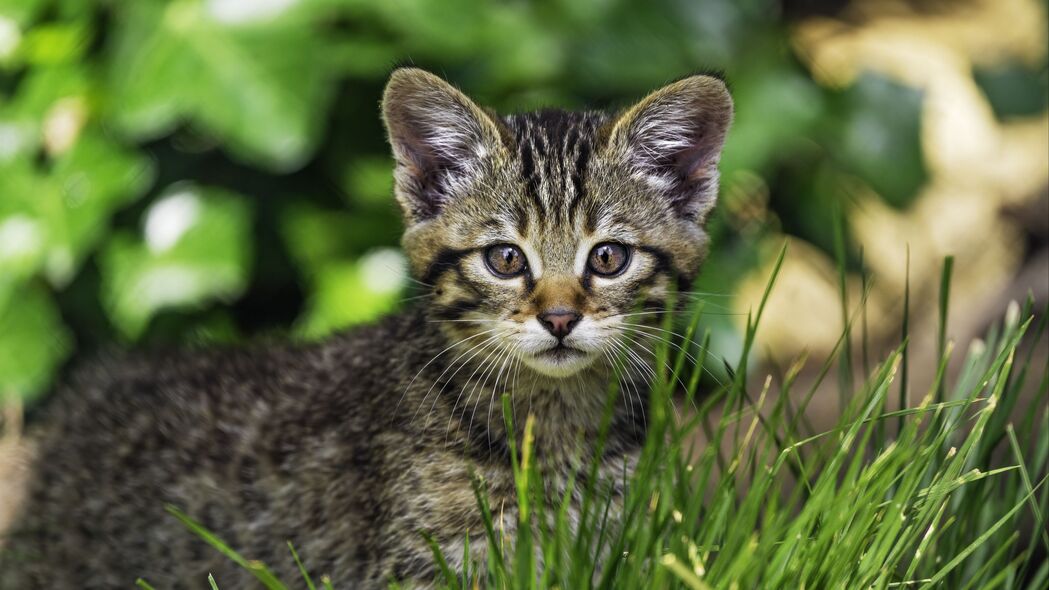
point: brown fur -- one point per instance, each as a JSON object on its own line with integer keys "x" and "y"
{"x": 351, "y": 447}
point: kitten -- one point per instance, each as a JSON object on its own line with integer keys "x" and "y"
{"x": 536, "y": 235}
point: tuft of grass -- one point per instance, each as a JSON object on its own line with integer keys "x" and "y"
{"x": 262, "y": 573}
{"x": 950, "y": 493}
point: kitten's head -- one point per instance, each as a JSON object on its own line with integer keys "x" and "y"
{"x": 540, "y": 233}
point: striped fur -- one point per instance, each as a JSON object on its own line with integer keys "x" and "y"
{"x": 351, "y": 447}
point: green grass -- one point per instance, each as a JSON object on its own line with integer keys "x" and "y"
{"x": 949, "y": 493}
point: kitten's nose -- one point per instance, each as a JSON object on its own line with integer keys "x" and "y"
{"x": 559, "y": 322}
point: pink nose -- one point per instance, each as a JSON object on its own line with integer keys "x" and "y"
{"x": 559, "y": 322}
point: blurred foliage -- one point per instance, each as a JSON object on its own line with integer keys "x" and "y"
{"x": 195, "y": 170}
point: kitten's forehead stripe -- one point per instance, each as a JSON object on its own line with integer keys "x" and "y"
{"x": 561, "y": 143}
{"x": 528, "y": 156}
{"x": 582, "y": 159}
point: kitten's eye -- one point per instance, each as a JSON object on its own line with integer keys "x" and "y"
{"x": 608, "y": 259}
{"x": 505, "y": 260}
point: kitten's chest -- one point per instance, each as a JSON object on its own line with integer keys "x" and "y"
{"x": 452, "y": 490}
{"x": 454, "y": 493}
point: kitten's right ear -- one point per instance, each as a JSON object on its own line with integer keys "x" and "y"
{"x": 440, "y": 140}
{"x": 673, "y": 139}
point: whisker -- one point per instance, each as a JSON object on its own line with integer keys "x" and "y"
{"x": 703, "y": 293}
{"x": 671, "y": 311}
{"x": 416, "y": 297}
{"x": 705, "y": 349}
{"x": 491, "y": 400}
{"x": 476, "y": 351}
{"x": 435, "y": 357}
{"x": 504, "y": 352}
{"x": 636, "y": 329}
{"x": 641, "y": 363}
{"x": 669, "y": 333}
{"x": 413, "y": 279}
{"x": 626, "y": 356}
{"x": 478, "y": 347}
{"x": 669, "y": 369}
{"x": 640, "y": 366}
{"x": 702, "y": 298}
{"x": 623, "y": 390}
{"x": 649, "y": 351}
{"x": 483, "y": 367}
{"x": 465, "y": 320}
{"x": 513, "y": 387}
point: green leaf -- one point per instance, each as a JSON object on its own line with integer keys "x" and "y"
{"x": 56, "y": 43}
{"x": 52, "y": 222}
{"x": 33, "y": 342}
{"x": 45, "y": 85}
{"x": 450, "y": 29}
{"x": 1014, "y": 89}
{"x": 24, "y": 233}
{"x": 19, "y": 136}
{"x": 195, "y": 248}
{"x": 757, "y": 141}
{"x": 883, "y": 145}
{"x": 316, "y": 237}
{"x": 349, "y": 293}
{"x": 370, "y": 181}
{"x": 52, "y": 94}
{"x": 93, "y": 180}
{"x": 245, "y": 85}
{"x": 20, "y": 11}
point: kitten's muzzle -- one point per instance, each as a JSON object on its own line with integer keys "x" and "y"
{"x": 559, "y": 322}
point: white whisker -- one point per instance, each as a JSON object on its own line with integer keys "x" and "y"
{"x": 640, "y": 366}
{"x": 655, "y": 357}
{"x": 491, "y": 400}
{"x": 623, "y": 389}
{"x": 467, "y": 321}
{"x": 636, "y": 328}
{"x": 483, "y": 367}
{"x": 478, "y": 347}
{"x": 428, "y": 363}
{"x": 504, "y": 351}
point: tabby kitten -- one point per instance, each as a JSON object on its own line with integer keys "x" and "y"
{"x": 535, "y": 235}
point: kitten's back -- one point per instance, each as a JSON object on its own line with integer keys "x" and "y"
{"x": 219, "y": 434}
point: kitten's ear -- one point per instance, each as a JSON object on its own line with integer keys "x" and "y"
{"x": 440, "y": 139}
{"x": 673, "y": 139}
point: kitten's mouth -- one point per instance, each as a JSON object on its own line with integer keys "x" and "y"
{"x": 558, "y": 361}
{"x": 559, "y": 352}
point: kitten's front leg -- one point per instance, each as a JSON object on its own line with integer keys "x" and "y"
{"x": 416, "y": 566}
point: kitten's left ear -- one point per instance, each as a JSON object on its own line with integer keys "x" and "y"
{"x": 673, "y": 139}
{"x": 440, "y": 140}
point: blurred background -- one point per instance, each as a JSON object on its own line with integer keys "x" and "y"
{"x": 213, "y": 171}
